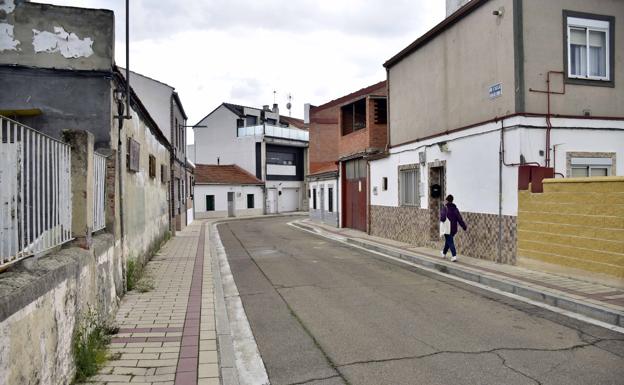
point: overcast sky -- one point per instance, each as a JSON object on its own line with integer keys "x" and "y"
{"x": 240, "y": 51}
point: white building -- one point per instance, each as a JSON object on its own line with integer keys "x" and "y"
{"x": 498, "y": 87}
{"x": 262, "y": 142}
{"x": 227, "y": 191}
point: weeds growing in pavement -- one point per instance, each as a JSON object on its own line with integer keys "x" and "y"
{"x": 89, "y": 345}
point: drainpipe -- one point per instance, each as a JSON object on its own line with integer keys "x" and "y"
{"x": 548, "y": 92}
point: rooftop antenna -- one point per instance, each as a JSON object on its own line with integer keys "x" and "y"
{"x": 289, "y": 104}
{"x": 274, "y": 95}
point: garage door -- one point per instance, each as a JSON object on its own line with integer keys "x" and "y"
{"x": 289, "y": 200}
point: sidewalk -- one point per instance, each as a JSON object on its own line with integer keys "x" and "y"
{"x": 167, "y": 335}
{"x": 597, "y": 301}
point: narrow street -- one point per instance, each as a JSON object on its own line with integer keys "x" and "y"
{"x": 324, "y": 313}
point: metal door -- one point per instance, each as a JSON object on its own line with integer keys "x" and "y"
{"x": 231, "y": 204}
{"x": 355, "y": 185}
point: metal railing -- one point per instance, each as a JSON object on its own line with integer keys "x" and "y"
{"x": 35, "y": 192}
{"x": 274, "y": 131}
{"x": 99, "y": 183}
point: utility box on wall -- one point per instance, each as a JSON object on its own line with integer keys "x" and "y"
{"x": 533, "y": 176}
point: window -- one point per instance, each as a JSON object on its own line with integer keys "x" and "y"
{"x": 380, "y": 110}
{"x": 164, "y": 174}
{"x": 282, "y": 158}
{"x": 210, "y": 203}
{"x": 585, "y": 167}
{"x": 152, "y": 166}
{"x": 384, "y": 184}
{"x": 355, "y": 169}
{"x": 314, "y": 198}
{"x": 353, "y": 116}
{"x": 271, "y": 122}
{"x": 250, "y": 201}
{"x": 330, "y": 199}
{"x": 251, "y": 120}
{"x": 589, "y": 46}
{"x": 408, "y": 187}
{"x": 134, "y": 150}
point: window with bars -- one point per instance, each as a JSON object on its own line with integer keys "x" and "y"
{"x": 408, "y": 187}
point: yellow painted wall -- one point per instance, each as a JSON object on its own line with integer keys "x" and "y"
{"x": 575, "y": 223}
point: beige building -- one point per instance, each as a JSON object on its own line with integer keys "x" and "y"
{"x": 498, "y": 91}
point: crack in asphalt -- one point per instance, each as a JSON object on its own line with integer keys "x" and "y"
{"x": 504, "y": 362}
{"x": 314, "y": 379}
{"x": 490, "y": 351}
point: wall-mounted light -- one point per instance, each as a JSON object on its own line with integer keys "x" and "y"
{"x": 443, "y": 146}
{"x": 499, "y": 12}
{"x": 118, "y": 95}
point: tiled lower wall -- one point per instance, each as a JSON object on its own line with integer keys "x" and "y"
{"x": 412, "y": 225}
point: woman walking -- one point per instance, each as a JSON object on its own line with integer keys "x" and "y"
{"x": 450, "y": 213}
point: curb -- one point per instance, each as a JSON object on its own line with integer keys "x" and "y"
{"x": 485, "y": 280}
{"x": 240, "y": 362}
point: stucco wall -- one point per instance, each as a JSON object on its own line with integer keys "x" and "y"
{"x": 38, "y": 315}
{"x": 62, "y": 99}
{"x": 543, "y": 46}
{"x": 444, "y": 84}
{"x": 47, "y": 36}
{"x": 221, "y": 207}
{"x": 145, "y": 199}
{"x": 218, "y": 140}
{"x": 575, "y": 223}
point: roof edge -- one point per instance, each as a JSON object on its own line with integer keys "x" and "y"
{"x": 435, "y": 31}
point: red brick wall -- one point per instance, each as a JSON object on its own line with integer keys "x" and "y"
{"x": 324, "y": 135}
{"x": 378, "y": 133}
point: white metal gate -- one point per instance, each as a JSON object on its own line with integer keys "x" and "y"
{"x": 35, "y": 192}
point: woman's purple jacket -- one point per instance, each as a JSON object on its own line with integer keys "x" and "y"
{"x": 451, "y": 212}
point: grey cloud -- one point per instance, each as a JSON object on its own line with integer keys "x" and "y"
{"x": 245, "y": 89}
{"x": 153, "y": 19}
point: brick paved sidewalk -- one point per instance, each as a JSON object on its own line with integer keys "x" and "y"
{"x": 603, "y": 295}
{"x": 167, "y": 335}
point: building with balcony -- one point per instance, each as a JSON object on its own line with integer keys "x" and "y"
{"x": 345, "y": 134}
{"x": 269, "y": 146}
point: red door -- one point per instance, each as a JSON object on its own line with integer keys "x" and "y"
{"x": 354, "y": 189}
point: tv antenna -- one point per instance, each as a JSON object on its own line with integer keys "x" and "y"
{"x": 289, "y": 104}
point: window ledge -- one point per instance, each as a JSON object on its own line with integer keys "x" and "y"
{"x": 590, "y": 82}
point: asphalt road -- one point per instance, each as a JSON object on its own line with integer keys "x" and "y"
{"x": 325, "y": 313}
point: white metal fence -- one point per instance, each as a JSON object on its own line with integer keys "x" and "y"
{"x": 99, "y": 183}
{"x": 35, "y": 192}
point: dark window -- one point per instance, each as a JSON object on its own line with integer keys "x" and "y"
{"x": 210, "y": 203}
{"x": 152, "y": 166}
{"x": 353, "y": 116}
{"x": 314, "y": 198}
{"x": 384, "y": 184}
{"x": 271, "y": 122}
{"x": 134, "y": 149}
{"x": 381, "y": 111}
{"x": 282, "y": 158}
{"x": 164, "y": 173}
{"x": 250, "y": 201}
{"x": 240, "y": 123}
{"x": 355, "y": 169}
{"x": 251, "y": 120}
{"x": 330, "y": 200}
{"x": 309, "y": 193}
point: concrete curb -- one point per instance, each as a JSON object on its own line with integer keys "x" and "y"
{"x": 485, "y": 280}
{"x": 239, "y": 358}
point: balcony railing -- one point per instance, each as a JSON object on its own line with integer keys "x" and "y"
{"x": 35, "y": 192}
{"x": 275, "y": 132}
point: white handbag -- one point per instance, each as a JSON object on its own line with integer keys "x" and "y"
{"x": 445, "y": 227}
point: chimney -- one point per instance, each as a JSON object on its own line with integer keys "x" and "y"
{"x": 275, "y": 109}
{"x": 266, "y": 107}
{"x": 306, "y": 113}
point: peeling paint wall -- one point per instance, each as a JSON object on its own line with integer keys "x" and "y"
{"x": 145, "y": 198}
{"x": 48, "y": 36}
{"x": 37, "y": 318}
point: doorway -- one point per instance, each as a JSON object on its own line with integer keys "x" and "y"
{"x": 437, "y": 191}
{"x": 231, "y": 204}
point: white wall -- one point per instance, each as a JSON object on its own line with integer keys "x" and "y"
{"x": 472, "y": 163}
{"x": 156, "y": 97}
{"x": 326, "y": 184}
{"x": 220, "y": 193}
{"x": 291, "y": 198}
{"x": 219, "y": 140}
